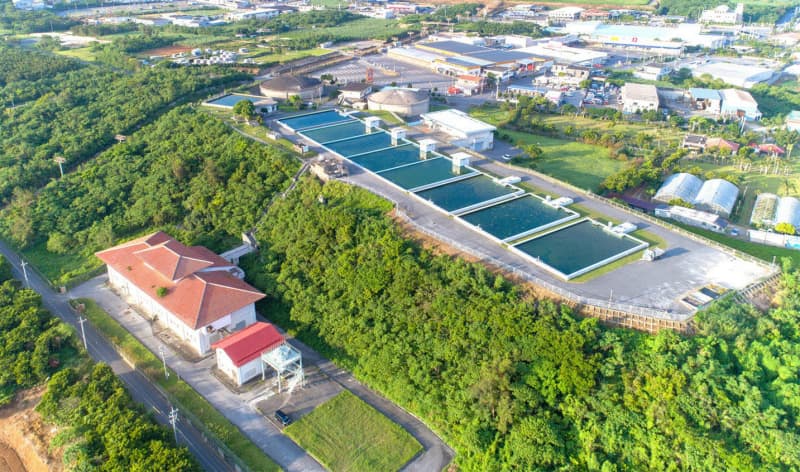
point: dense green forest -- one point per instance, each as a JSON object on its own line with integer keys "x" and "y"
{"x": 187, "y": 173}
{"x": 101, "y": 427}
{"x": 519, "y": 383}
{"x": 78, "y": 113}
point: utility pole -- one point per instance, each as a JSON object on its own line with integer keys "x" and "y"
{"x": 82, "y": 320}
{"x": 173, "y": 420}
{"x": 163, "y": 353}
{"x": 60, "y": 160}
{"x": 25, "y": 273}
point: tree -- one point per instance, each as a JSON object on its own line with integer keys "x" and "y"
{"x": 5, "y": 270}
{"x": 533, "y": 151}
{"x": 245, "y": 109}
{"x": 785, "y": 228}
{"x": 296, "y": 102}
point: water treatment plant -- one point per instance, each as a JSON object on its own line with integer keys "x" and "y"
{"x": 501, "y": 211}
{"x": 472, "y": 204}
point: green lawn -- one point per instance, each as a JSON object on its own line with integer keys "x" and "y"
{"x": 582, "y": 165}
{"x": 84, "y": 54}
{"x": 189, "y": 401}
{"x": 346, "y": 434}
{"x": 384, "y": 115}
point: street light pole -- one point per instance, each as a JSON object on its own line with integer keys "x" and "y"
{"x": 25, "y": 273}
{"x": 173, "y": 420}
{"x": 82, "y": 320}
{"x": 60, "y": 160}
{"x": 163, "y": 353}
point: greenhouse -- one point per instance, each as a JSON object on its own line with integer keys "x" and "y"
{"x": 788, "y": 211}
{"x": 679, "y": 186}
{"x": 764, "y": 210}
{"x": 717, "y": 196}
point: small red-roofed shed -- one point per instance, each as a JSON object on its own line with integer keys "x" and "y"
{"x": 239, "y": 355}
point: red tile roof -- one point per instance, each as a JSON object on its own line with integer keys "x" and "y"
{"x": 722, "y": 144}
{"x": 200, "y": 288}
{"x": 249, "y": 343}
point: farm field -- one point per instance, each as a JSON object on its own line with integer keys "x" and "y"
{"x": 345, "y": 433}
{"x": 358, "y": 29}
{"x": 84, "y": 54}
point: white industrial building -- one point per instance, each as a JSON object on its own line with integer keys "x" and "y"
{"x": 466, "y": 131}
{"x": 197, "y": 294}
{"x": 664, "y": 40}
{"x": 559, "y": 52}
{"x": 723, "y": 14}
{"x": 565, "y": 14}
{"x": 639, "y": 97}
{"x": 402, "y": 101}
{"x": 738, "y": 75}
{"x": 737, "y": 102}
{"x": 716, "y": 195}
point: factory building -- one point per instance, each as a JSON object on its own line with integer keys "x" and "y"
{"x": 637, "y": 98}
{"x": 464, "y": 130}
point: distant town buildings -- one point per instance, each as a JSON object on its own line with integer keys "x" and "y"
{"x": 723, "y": 15}
{"x": 637, "y": 98}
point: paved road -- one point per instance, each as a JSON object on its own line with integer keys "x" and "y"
{"x": 137, "y": 384}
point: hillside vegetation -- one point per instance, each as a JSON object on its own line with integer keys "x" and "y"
{"x": 186, "y": 173}
{"x": 513, "y": 382}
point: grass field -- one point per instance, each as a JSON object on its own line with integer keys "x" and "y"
{"x": 365, "y": 28}
{"x": 182, "y": 393}
{"x": 346, "y": 434}
{"x": 60, "y": 268}
{"x": 84, "y": 54}
{"x": 582, "y": 165}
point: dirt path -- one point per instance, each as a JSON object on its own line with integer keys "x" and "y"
{"x": 24, "y": 437}
{"x": 9, "y": 460}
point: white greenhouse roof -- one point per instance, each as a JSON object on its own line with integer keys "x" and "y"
{"x": 788, "y": 211}
{"x": 682, "y": 185}
{"x": 717, "y": 195}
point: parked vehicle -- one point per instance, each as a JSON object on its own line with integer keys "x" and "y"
{"x": 283, "y": 418}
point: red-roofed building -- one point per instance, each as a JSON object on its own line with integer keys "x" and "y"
{"x": 239, "y": 355}
{"x": 769, "y": 148}
{"x": 722, "y": 145}
{"x": 193, "y": 291}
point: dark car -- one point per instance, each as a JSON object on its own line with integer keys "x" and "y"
{"x": 283, "y": 418}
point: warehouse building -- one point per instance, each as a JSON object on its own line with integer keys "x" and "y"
{"x": 666, "y": 40}
{"x": 735, "y": 74}
{"x": 464, "y": 130}
{"x": 558, "y": 52}
{"x": 706, "y": 99}
{"x": 737, "y": 103}
{"x": 693, "y": 217}
{"x": 723, "y": 14}
{"x": 638, "y": 98}
{"x": 403, "y": 101}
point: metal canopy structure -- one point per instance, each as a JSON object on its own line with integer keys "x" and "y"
{"x": 287, "y": 362}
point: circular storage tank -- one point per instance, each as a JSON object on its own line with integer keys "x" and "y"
{"x": 285, "y": 86}
{"x": 404, "y": 102}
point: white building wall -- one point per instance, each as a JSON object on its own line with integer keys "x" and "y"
{"x": 199, "y": 339}
{"x": 242, "y": 374}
